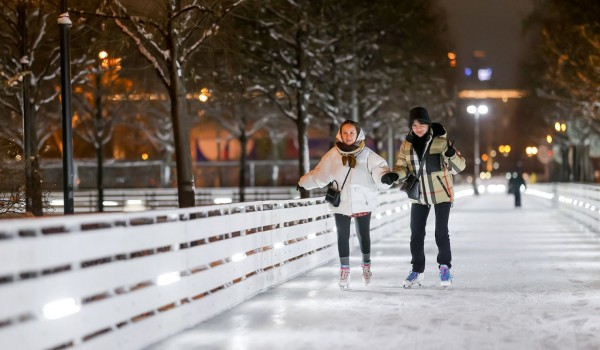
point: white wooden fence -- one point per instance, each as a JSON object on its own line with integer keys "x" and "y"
{"x": 126, "y": 280}
{"x": 580, "y": 202}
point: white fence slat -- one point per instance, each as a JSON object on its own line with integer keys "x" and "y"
{"x": 41, "y": 253}
{"x": 223, "y": 224}
{"x": 35, "y": 293}
{"x": 302, "y": 230}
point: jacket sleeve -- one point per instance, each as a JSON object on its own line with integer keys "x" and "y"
{"x": 321, "y": 175}
{"x": 457, "y": 162}
{"x": 377, "y": 167}
{"x": 401, "y": 167}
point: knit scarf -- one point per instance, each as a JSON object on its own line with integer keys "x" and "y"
{"x": 349, "y": 152}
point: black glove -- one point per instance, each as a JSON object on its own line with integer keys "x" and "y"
{"x": 451, "y": 150}
{"x": 300, "y": 188}
{"x": 389, "y": 178}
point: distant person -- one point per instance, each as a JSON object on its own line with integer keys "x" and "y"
{"x": 357, "y": 171}
{"x": 514, "y": 186}
{"x": 426, "y": 145}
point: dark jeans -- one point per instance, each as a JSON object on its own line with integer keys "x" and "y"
{"x": 363, "y": 231}
{"x": 517, "y": 198}
{"x": 418, "y": 220}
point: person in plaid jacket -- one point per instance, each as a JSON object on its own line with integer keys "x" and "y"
{"x": 427, "y": 145}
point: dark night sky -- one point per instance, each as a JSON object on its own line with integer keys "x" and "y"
{"x": 494, "y": 26}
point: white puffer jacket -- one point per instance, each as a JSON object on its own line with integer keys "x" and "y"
{"x": 364, "y": 180}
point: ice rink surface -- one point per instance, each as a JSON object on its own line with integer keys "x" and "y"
{"x": 523, "y": 279}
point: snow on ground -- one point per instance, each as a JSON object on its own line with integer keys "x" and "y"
{"x": 523, "y": 279}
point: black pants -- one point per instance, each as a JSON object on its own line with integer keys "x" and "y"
{"x": 363, "y": 231}
{"x": 517, "y": 198}
{"x": 418, "y": 220}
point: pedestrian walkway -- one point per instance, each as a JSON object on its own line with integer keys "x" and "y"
{"x": 523, "y": 279}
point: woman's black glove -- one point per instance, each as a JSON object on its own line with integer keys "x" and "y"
{"x": 450, "y": 151}
{"x": 389, "y": 178}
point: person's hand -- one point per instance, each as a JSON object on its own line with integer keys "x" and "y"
{"x": 300, "y": 188}
{"x": 451, "y": 150}
{"x": 389, "y": 178}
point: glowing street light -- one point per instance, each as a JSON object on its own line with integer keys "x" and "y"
{"x": 504, "y": 149}
{"x": 476, "y": 111}
{"x": 531, "y": 151}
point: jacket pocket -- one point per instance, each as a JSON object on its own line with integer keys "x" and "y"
{"x": 443, "y": 186}
{"x": 434, "y": 163}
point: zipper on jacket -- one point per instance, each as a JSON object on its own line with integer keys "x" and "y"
{"x": 444, "y": 187}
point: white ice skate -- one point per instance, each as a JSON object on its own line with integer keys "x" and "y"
{"x": 366, "y": 273}
{"x": 344, "y": 278}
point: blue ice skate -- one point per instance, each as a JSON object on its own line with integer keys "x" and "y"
{"x": 413, "y": 278}
{"x": 445, "y": 276}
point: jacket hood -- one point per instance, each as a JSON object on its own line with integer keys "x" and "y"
{"x": 359, "y": 138}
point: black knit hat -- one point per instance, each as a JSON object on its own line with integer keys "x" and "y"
{"x": 420, "y": 114}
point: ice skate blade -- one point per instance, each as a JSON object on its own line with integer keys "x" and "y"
{"x": 409, "y": 286}
{"x": 344, "y": 287}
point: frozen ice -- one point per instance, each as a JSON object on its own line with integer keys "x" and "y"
{"x": 524, "y": 278}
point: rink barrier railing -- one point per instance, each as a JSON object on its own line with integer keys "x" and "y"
{"x": 118, "y": 200}
{"x": 127, "y": 280}
{"x": 577, "y": 201}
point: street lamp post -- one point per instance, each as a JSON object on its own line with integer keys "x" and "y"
{"x": 64, "y": 24}
{"x": 99, "y": 129}
{"x": 476, "y": 111}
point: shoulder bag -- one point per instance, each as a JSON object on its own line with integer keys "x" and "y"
{"x": 333, "y": 194}
{"x": 411, "y": 184}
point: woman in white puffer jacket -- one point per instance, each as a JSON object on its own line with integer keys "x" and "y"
{"x": 364, "y": 169}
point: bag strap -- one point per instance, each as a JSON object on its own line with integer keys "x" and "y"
{"x": 423, "y": 159}
{"x": 346, "y": 178}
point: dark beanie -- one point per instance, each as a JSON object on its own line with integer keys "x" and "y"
{"x": 420, "y": 114}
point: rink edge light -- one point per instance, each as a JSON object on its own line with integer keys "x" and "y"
{"x": 60, "y": 308}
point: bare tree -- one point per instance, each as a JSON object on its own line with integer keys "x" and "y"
{"x": 95, "y": 115}
{"x": 568, "y": 56}
{"x": 290, "y": 46}
{"x": 29, "y": 71}
{"x": 564, "y": 75}
{"x": 156, "y": 125}
{"x": 169, "y": 34}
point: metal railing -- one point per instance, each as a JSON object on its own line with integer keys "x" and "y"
{"x": 119, "y": 200}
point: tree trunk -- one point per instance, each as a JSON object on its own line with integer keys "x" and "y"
{"x": 303, "y": 152}
{"x": 179, "y": 115}
{"x": 99, "y": 134}
{"x": 185, "y": 176}
{"x": 243, "y": 144}
{"x": 243, "y": 138}
{"x": 302, "y": 103}
{"x": 33, "y": 180}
